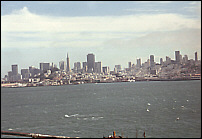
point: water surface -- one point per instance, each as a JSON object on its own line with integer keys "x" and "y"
{"x": 161, "y": 109}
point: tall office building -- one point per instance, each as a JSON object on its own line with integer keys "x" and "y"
{"x": 185, "y": 59}
{"x": 138, "y": 63}
{"x": 68, "y": 64}
{"x": 85, "y": 66}
{"x": 168, "y": 60}
{"x": 98, "y": 67}
{"x": 25, "y": 73}
{"x": 161, "y": 61}
{"x": 33, "y": 71}
{"x": 152, "y": 64}
{"x": 54, "y": 66}
{"x": 196, "y": 57}
{"x": 10, "y": 74}
{"x": 77, "y": 67}
{"x": 15, "y": 76}
{"x": 106, "y": 69}
{"x": 62, "y": 65}
{"x": 91, "y": 63}
{"x": 129, "y": 65}
{"x": 177, "y": 56}
{"x": 15, "y": 69}
{"x": 44, "y": 67}
{"x": 118, "y": 68}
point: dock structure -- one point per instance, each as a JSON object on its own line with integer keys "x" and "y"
{"x": 32, "y": 135}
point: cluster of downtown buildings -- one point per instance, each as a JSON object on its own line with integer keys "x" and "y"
{"x": 92, "y": 72}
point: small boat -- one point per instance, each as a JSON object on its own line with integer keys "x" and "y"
{"x": 113, "y": 136}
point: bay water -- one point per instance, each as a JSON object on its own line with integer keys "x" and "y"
{"x": 167, "y": 109}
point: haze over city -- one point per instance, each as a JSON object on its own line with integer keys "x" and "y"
{"x": 116, "y": 32}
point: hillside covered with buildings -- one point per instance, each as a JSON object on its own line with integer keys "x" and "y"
{"x": 91, "y": 71}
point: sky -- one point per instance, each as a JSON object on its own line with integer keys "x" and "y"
{"x": 116, "y": 32}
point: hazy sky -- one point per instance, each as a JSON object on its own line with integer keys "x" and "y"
{"x": 115, "y": 31}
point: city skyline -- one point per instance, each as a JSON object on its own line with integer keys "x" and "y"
{"x": 96, "y": 67}
{"x": 116, "y": 32}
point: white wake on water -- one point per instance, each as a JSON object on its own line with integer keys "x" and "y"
{"x": 85, "y": 117}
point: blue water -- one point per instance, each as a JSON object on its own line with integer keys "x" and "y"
{"x": 96, "y": 110}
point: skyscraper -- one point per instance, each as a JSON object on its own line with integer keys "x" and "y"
{"x": 129, "y": 65}
{"x": 105, "y": 69}
{"x": 161, "y": 61}
{"x": 33, "y": 71}
{"x": 15, "y": 69}
{"x": 118, "y": 68}
{"x": 138, "y": 63}
{"x": 10, "y": 75}
{"x": 196, "y": 57}
{"x": 15, "y": 76}
{"x": 85, "y": 67}
{"x": 77, "y": 67}
{"x": 98, "y": 67}
{"x": 168, "y": 60}
{"x": 91, "y": 63}
{"x": 177, "y": 56}
{"x": 68, "y": 65}
{"x": 152, "y": 64}
{"x": 25, "y": 73}
{"x": 44, "y": 67}
{"x": 185, "y": 59}
{"x": 62, "y": 65}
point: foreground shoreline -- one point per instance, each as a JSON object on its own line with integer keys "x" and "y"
{"x": 20, "y": 85}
